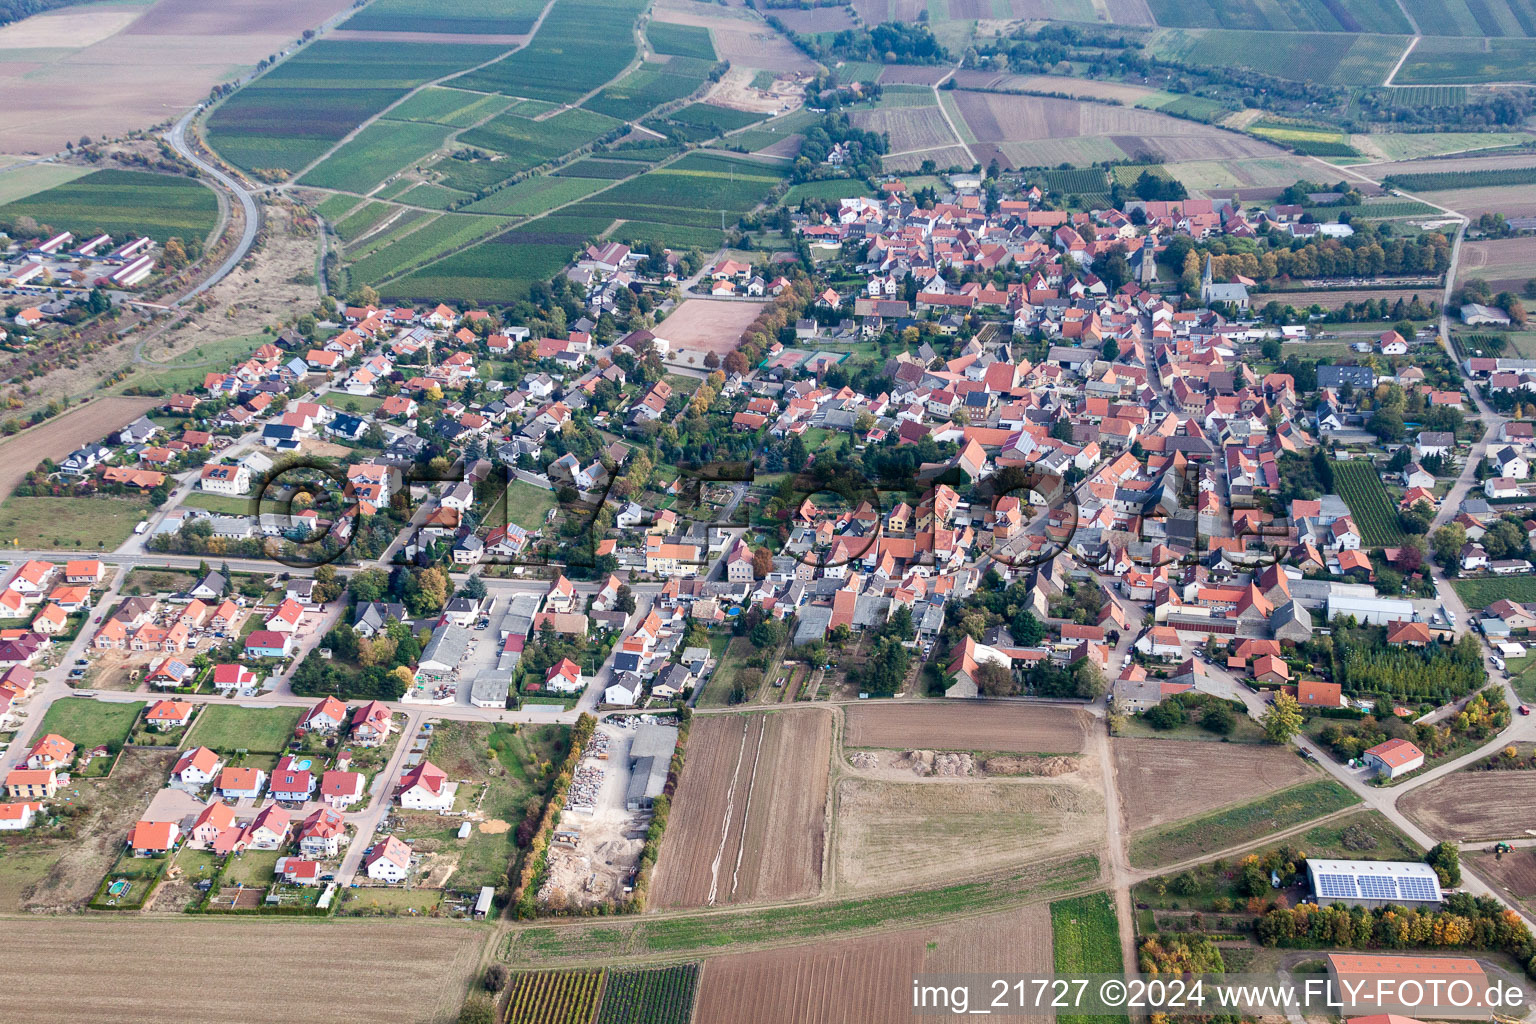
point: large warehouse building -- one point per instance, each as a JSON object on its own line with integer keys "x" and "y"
{"x": 1374, "y": 883}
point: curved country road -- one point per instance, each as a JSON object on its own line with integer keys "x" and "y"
{"x": 177, "y": 137}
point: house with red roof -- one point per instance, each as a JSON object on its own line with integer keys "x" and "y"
{"x": 426, "y": 788}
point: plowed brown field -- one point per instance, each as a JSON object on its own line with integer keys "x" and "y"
{"x": 197, "y": 971}
{"x": 1471, "y": 806}
{"x": 749, "y": 818}
{"x": 868, "y": 980}
{"x": 1204, "y": 775}
{"x": 1002, "y": 726}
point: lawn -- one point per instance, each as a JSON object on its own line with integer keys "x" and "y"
{"x": 375, "y": 153}
{"x": 251, "y": 868}
{"x": 221, "y": 503}
{"x": 1480, "y": 593}
{"x": 1359, "y": 485}
{"x": 122, "y": 204}
{"x": 1085, "y": 939}
{"x": 378, "y": 899}
{"x": 1209, "y": 833}
{"x": 91, "y": 723}
{"x": 227, "y": 728}
{"x": 89, "y": 524}
{"x": 523, "y": 504}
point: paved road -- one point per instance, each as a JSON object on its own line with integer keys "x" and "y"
{"x": 366, "y": 822}
{"x": 177, "y": 137}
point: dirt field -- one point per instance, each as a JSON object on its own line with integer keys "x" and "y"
{"x": 1004, "y": 727}
{"x": 998, "y": 118}
{"x": 63, "y": 434}
{"x": 155, "y": 61}
{"x": 83, "y": 970}
{"x": 868, "y": 980}
{"x": 898, "y": 835}
{"x": 1510, "y": 200}
{"x": 749, "y": 818}
{"x": 700, "y": 326}
{"x": 817, "y": 19}
{"x": 905, "y": 765}
{"x": 58, "y": 872}
{"x": 735, "y": 90}
{"x": 1505, "y": 263}
{"x": 1473, "y": 806}
{"x": 1514, "y": 875}
{"x": 909, "y": 128}
{"x": 1149, "y": 770}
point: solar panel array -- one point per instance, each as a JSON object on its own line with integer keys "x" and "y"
{"x": 1335, "y": 886}
{"x": 1338, "y": 887}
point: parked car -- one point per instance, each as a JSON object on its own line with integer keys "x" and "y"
{"x": 1525, "y": 709}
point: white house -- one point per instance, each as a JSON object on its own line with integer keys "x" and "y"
{"x": 230, "y": 480}
{"x": 389, "y": 862}
{"x": 1501, "y": 487}
{"x": 426, "y": 788}
{"x": 196, "y": 768}
{"x": 1394, "y": 758}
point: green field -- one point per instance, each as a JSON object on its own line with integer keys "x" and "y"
{"x": 453, "y": 107}
{"x": 642, "y": 90}
{"x": 89, "y": 724}
{"x": 525, "y": 144}
{"x": 581, "y": 45}
{"x": 536, "y": 195}
{"x": 721, "y": 119}
{"x": 1465, "y": 62}
{"x": 1479, "y": 594}
{"x": 122, "y": 203}
{"x": 653, "y": 995}
{"x": 226, "y": 728}
{"x": 590, "y": 167}
{"x": 86, "y": 524}
{"x": 1084, "y": 179}
{"x": 1473, "y": 17}
{"x": 362, "y": 221}
{"x": 1085, "y": 939}
{"x": 434, "y": 196}
{"x": 499, "y": 269}
{"x": 1300, "y": 55}
{"x": 333, "y": 208}
{"x": 680, "y": 40}
{"x": 221, "y": 503}
{"x": 827, "y": 188}
{"x": 1379, "y": 16}
{"x": 464, "y": 17}
{"x": 1219, "y": 830}
{"x": 20, "y": 182}
{"x": 373, "y": 154}
{"x": 1433, "y": 181}
{"x": 425, "y": 243}
{"x": 1359, "y": 485}
{"x": 1414, "y": 145}
{"x": 303, "y": 106}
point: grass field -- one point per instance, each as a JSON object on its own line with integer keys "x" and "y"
{"x": 1085, "y": 939}
{"x": 375, "y": 153}
{"x": 465, "y": 17}
{"x": 722, "y": 119}
{"x": 421, "y": 245}
{"x": 1444, "y": 61}
{"x": 581, "y": 45}
{"x": 306, "y": 104}
{"x": 804, "y": 922}
{"x": 20, "y": 182}
{"x": 361, "y": 221}
{"x": 221, "y": 503}
{"x": 642, "y": 90}
{"x": 87, "y": 524}
{"x": 1219, "y": 830}
{"x": 829, "y": 188}
{"x": 526, "y": 144}
{"x": 536, "y": 195}
{"x": 1284, "y": 16}
{"x": 90, "y": 723}
{"x": 681, "y": 40}
{"x": 1473, "y": 17}
{"x": 434, "y": 196}
{"x": 1416, "y": 145}
{"x": 454, "y": 107}
{"x": 1477, "y": 594}
{"x": 523, "y": 504}
{"x": 122, "y": 203}
{"x": 226, "y": 728}
{"x": 1360, "y": 487}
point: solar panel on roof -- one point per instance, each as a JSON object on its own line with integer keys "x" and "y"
{"x": 1417, "y": 889}
{"x": 1373, "y": 887}
{"x": 1336, "y": 886}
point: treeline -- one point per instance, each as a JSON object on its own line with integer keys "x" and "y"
{"x": 15, "y": 10}
{"x": 862, "y": 150}
{"x": 1431, "y": 181}
{"x": 892, "y": 42}
{"x": 1466, "y": 922}
{"x": 1504, "y": 107}
{"x": 1435, "y": 670}
{"x": 526, "y": 881}
{"x": 1484, "y": 715}
{"x": 1366, "y": 253}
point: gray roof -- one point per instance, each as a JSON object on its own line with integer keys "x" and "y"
{"x": 446, "y": 647}
{"x": 650, "y": 756}
{"x": 489, "y": 686}
{"x": 814, "y": 619}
